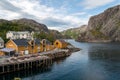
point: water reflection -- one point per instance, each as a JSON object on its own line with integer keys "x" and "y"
{"x": 104, "y": 51}
{"x": 105, "y": 58}
{"x": 96, "y": 61}
{"x": 60, "y": 60}
{"x": 30, "y": 74}
{"x": 25, "y": 73}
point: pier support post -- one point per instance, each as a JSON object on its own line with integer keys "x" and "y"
{"x": 3, "y": 69}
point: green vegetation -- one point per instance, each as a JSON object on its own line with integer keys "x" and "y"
{"x": 43, "y": 35}
{"x": 97, "y": 34}
{"x": 71, "y": 34}
{"x": 6, "y": 26}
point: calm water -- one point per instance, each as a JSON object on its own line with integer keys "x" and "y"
{"x": 96, "y": 61}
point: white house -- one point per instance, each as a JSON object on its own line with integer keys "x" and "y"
{"x": 1, "y": 43}
{"x": 19, "y": 35}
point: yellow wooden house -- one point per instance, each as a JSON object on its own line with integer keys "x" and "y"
{"x": 24, "y": 46}
{"x": 46, "y": 45}
{"x": 60, "y": 43}
{"x": 7, "y": 52}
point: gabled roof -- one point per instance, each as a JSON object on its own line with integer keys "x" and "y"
{"x": 37, "y": 41}
{"x": 24, "y": 42}
{"x": 21, "y": 42}
{"x": 1, "y": 40}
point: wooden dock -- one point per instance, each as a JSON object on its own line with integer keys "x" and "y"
{"x": 19, "y": 63}
{"x": 37, "y": 60}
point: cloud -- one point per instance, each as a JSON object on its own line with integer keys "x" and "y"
{"x": 55, "y": 22}
{"x": 90, "y": 4}
{"x": 54, "y": 18}
{"x": 79, "y": 13}
{"x": 8, "y": 6}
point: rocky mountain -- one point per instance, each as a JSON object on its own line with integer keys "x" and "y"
{"x": 104, "y": 27}
{"x": 56, "y": 34}
{"x": 22, "y": 25}
{"x": 74, "y": 32}
{"x": 33, "y": 25}
{"x": 27, "y": 25}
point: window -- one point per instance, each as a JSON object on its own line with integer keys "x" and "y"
{"x": 56, "y": 43}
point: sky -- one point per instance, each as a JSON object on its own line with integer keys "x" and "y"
{"x": 56, "y": 14}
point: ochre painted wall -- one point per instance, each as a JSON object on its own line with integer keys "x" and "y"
{"x": 59, "y": 44}
{"x": 29, "y": 48}
{"x": 11, "y": 44}
{"x": 36, "y": 49}
{"x": 47, "y": 48}
{"x": 2, "y": 53}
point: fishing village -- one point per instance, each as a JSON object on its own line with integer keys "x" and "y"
{"x": 22, "y": 51}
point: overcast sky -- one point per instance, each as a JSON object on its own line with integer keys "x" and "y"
{"x": 56, "y": 14}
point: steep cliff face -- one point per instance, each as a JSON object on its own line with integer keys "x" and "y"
{"x": 104, "y": 26}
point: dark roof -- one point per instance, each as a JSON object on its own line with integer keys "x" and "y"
{"x": 37, "y": 41}
{"x": 24, "y": 42}
{"x": 21, "y": 42}
{"x": 48, "y": 42}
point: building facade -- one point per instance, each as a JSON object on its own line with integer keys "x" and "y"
{"x": 24, "y": 46}
{"x": 46, "y": 45}
{"x": 19, "y": 35}
{"x": 60, "y": 44}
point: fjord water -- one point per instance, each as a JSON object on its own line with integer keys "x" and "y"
{"x": 96, "y": 61}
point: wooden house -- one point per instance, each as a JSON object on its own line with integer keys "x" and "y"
{"x": 24, "y": 46}
{"x": 46, "y": 45}
{"x": 60, "y": 43}
{"x": 7, "y": 52}
{"x": 19, "y": 35}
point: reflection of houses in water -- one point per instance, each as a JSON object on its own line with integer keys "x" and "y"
{"x": 32, "y": 74}
{"x": 60, "y": 60}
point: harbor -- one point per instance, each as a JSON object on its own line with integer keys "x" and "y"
{"x": 37, "y": 60}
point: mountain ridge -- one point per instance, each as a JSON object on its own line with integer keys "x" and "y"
{"x": 25, "y": 24}
{"x": 104, "y": 27}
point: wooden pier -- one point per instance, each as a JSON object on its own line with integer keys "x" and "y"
{"x": 38, "y": 60}
{"x": 20, "y": 63}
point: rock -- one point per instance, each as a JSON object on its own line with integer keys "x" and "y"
{"x": 104, "y": 27}
{"x": 74, "y": 32}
